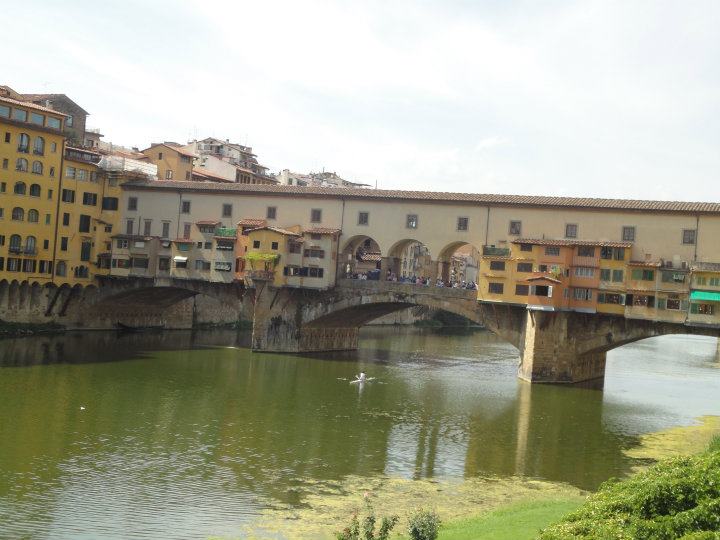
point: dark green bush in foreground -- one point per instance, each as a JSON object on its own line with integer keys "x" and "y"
{"x": 678, "y": 498}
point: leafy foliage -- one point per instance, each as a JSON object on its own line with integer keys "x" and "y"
{"x": 678, "y": 498}
{"x": 365, "y": 529}
{"x": 423, "y": 525}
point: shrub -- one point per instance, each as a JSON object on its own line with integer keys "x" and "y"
{"x": 423, "y": 525}
{"x": 678, "y": 498}
{"x": 366, "y": 530}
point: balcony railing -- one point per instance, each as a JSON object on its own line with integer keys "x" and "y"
{"x": 23, "y": 250}
{"x": 225, "y": 232}
{"x": 496, "y": 251}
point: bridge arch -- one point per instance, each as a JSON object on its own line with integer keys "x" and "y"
{"x": 409, "y": 258}
{"x": 459, "y": 261}
{"x": 360, "y": 254}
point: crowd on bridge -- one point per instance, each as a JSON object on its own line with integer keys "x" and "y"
{"x": 374, "y": 275}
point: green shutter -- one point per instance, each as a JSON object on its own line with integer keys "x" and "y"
{"x": 694, "y": 308}
{"x": 661, "y": 303}
{"x": 637, "y": 274}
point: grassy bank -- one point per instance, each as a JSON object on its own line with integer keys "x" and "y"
{"x": 518, "y": 521}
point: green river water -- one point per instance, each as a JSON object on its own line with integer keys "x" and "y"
{"x": 190, "y": 435}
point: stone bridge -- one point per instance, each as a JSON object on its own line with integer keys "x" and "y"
{"x": 558, "y": 347}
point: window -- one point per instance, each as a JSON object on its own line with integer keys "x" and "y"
{"x": 524, "y": 267}
{"x": 609, "y": 253}
{"x": 515, "y": 228}
{"x": 33, "y": 216}
{"x": 639, "y": 274}
{"x": 605, "y": 274}
{"x": 294, "y": 247}
{"x": 50, "y": 194}
{"x": 522, "y": 290}
{"x": 129, "y": 226}
{"x": 185, "y": 207}
{"x": 110, "y": 203}
{"x": 313, "y": 271}
{"x": 69, "y": 120}
{"x": 140, "y": 262}
{"x": 316, "y": 215}
{"x": 227, "y": 210}
{"x": 45, "y": 267}
{"x": 315, "y": 253}
{"x": 13, "y": 265}
{"x": 628, "y": 233}
{"x": 672, "y": 303}
{"x": 35, "y": 190}
{"x": 15, "y": 243}
{"x": 462, "y": 224}
{"x": 571, "y": 230}
{"x": 21, "y": 165}
{"x": 202, "y": 265}
{"x": 166, "y": 229}
{"x": 525, "y": 247}
{"x": 53, "y": 123}
{"x": 46, "y": 244}
{"x": 3, "y": 187}
{"x": 68, "y": 196}
{"x": 18, "y": 214}
{"x": 52, "y": 172}
{"x": 672, "y": 277}
{"x": 5, "y": 163}
{"x": 122, "y": 243}
{"x": 702, "y": 309}
{"x": 80, "y": 174}
{"x": 185, "y": 159}
{"x": 23, "y": 143}
{"x": 186, "y": 229}
{"x": 586, "y": 251}
{"x": 47, "y": 219}
{"x": 256, "y": 244}
{"x": 271, "y": 212}
{"x": 85, "y": 251}
{"x": 363, "y": 218}
{"x": 688, "y": 236}
{"x": 168, "y": 174}
{"x": 132, "y": 204}
{"x": 63, "y": 243}
{"x": 61, "y": 269}
{"x": 497, "y": 265}
{"x": 93, "y": 176}
{"x": 611, "y": 298}
{"x": 159, "y": 155}
{"x": 582, "y": 294}
{"x": 206, "y": 245}
{"x": 66, "y": 219}
{"x": 5, "y": 112}
{"x": 53, "y": 147}
{"x": 274, "y": 245}
{"x": 584, "y": 272}
{"x": 84, "y": 223}
{"x": 147, "y": 227}
{"x": 411, "y": 221}
{"x": 19, "y": 188}
{"x": 121, "y": 263}
{"x": 496, "y": 288}
{"x": 90, "y": 199}
{"x": 618, "y": 276}
{"x": 163, "y": 264}
{"x": 70, "y": 172}
{"x": 553, "y": 251}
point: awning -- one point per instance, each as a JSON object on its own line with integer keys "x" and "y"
{"x": 705, "y": 295}
{"x": 178, "y": 258}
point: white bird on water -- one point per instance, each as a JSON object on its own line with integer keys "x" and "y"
{"x": 82, "y": 408}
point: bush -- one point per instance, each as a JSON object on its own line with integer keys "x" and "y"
{"x": 678, "y": 498}
{"x": 366, "y": 530}
{"x": 423, "y": 525}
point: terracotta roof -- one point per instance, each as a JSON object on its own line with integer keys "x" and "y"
{"x": 209, "y": 175}
{"x": 653, "y": 264}
{"x": 208, "y": 222}
{"x": 179, "y": 149}
{"x": 552, "y": 242}
{"x": 322, "y": 230}
{"x": 253, "y": 222}
{"x": 30, "y": 105}
{"x": 430, "y": 196}
{"x": 706, "y": 266}
{"x": 543, "y": 278}
{"x": 275, "y": 229}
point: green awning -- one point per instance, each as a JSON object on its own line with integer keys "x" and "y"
{"x": 705, "y": 295}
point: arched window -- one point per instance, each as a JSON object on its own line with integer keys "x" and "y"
{"x": 18, "y": 214}
{"x": 15, "y": 242}
{"x": 61, "y": 269}
{"x": 35, "y": 190}
{"x": 21, "y": 165}
{"x": 30, "y": 245}
{"x": 52, "y": 171}
{"x": 19, "y": 188}
{"x": 33, "y": 216}
{"x": 37, "y": 167}
{"x": 24, "y": 143}
{"x": 39, "y": 146}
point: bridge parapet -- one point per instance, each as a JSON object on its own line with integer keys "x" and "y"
{"x": 407, "y": 288}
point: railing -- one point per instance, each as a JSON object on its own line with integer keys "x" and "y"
{"x": 225, "y": 232}
{"x": 590, "y": 262}
{"x": 496, "y": 251}
{"x": 267, "y": 275}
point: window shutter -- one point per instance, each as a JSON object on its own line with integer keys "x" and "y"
{"x": 661, "y": 303}
{"x": 684, "y": 305}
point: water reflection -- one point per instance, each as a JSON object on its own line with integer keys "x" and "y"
{"x": 186, "y": 435}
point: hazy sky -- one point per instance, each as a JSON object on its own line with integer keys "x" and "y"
{"x": 595, "y": 98}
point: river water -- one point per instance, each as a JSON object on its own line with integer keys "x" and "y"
{"x": 190, "y": 435}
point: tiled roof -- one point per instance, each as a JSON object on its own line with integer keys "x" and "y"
{"x": 553, "y": 242}
{"x": 706, "y": 266}
{"x": 30, "y": 105}
{"x": 435, "y": 196}
{"x": 51, "y": 97}
{"x": 252, "y": 222}
{"x": 322, "y": 230}
{"x": 179, "y": 149}
{"x": 275, "y": 229}
{"x": 542, "y": 278}
{"x": 210, "y": 176}
{"x": 208, "y": 222}
{"x": 653, "y": 264}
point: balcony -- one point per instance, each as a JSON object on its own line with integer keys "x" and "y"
{"x": 590, "y": 262}
{"x": 224, "y": 232}
{"x": 493, "y": 251}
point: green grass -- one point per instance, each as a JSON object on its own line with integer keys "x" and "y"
{"x": 519, "y": 521}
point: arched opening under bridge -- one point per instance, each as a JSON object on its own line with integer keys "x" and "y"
{"x": 360, "y": 258}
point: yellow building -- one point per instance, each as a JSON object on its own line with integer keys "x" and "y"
{"x": 269, "y": 250}
{"x": 174, "y": 162}
{"x": 31, "y": 155}
{"x": 705, "y": 295}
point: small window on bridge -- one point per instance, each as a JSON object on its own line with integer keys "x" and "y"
{"x": 411, "y": 221}
{"x": 552, "y": 250}
{"x": 628, "y": 233}
{"x": 522, "y": 290}
{"x": 524, "y": 267}
{"x": 515, "y": 228}
{"x": 462, "y": 224}
{"x": 316, "y": 215}
{"x": 271, "y": 212}
{"x": 496, "y": 288}
{"x": 274, "y": 245}
{"x": 586, "y": 251}
{"x": 497, "y": 265}
{"x": 256, "y": 244}
{"x": 363, "y": 218}
{"x": 688, "y": 236}
{"x": 571, "y": 230}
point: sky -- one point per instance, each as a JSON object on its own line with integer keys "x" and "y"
{"x": 590, "y": 98}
